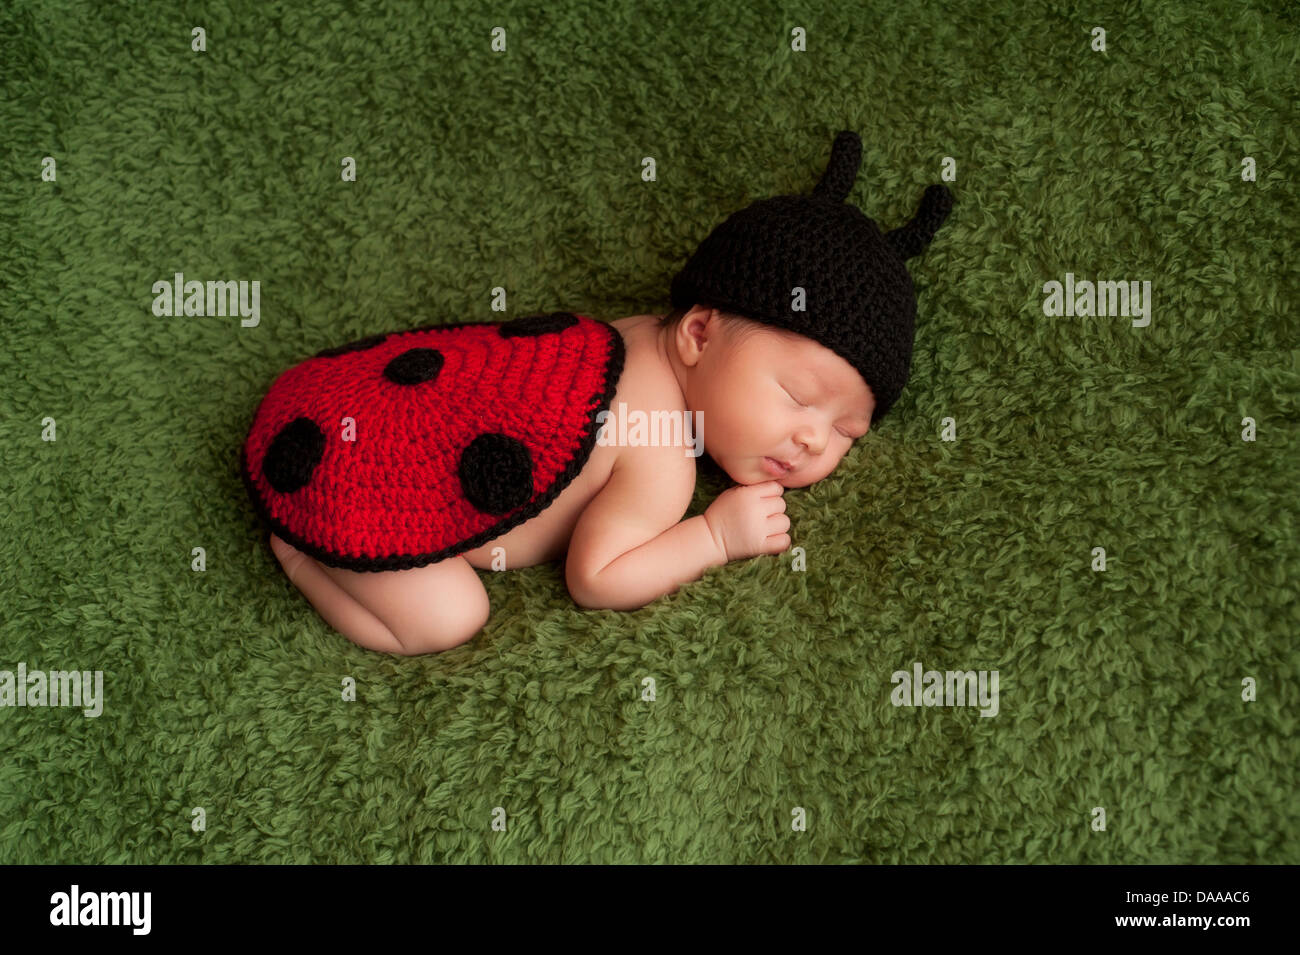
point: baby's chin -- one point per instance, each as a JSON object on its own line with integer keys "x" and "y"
{"x": 757, "y": 473}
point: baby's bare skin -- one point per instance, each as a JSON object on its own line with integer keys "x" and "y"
{"x": 620, "y": 520}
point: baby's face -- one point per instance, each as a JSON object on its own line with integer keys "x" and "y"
{"x": 767, "y": 394}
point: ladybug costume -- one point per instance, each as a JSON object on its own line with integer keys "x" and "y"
{"x": 406, "y": 448}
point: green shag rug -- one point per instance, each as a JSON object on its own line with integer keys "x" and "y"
{"x": 1146, "y": 712}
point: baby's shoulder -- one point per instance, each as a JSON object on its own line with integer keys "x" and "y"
{"x": 651, "y": 478}
{"x": 647, "y": 425}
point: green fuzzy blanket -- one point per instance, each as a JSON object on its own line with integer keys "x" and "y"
{"x": 1095, "y": 507}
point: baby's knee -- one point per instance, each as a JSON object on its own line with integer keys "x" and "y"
{"x": 455, "y": 622}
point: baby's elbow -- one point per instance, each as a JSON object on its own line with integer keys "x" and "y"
{"x": 582, "y": 588}
{"x": 584, "y": 597}
{"x": 590, "y": 594}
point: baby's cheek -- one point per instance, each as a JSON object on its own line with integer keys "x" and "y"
{"x": 834, "y": 465}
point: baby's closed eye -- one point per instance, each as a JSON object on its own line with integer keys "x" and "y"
{"x": 802, "y": 405}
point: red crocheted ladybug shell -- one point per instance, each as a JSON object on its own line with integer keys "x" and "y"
{"x": 406, "y": 448}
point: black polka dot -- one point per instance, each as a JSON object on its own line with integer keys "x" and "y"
{"x": 360, "y": 345}
{"x": 293, "y": 455}
{"x": 538, "y": 324}
{"x": 496, "y": 473}
{"x": 414, "y": 366}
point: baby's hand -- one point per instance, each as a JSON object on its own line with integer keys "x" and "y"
{"x": 749, "y": 519}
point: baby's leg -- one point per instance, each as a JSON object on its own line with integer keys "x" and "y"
{"x": 423, "y": 610}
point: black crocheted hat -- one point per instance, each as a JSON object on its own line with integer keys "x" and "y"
{"x": 858, "y": 296}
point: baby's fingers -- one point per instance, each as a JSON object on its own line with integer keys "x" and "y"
{"x": 778, "y": 543}
{"x": 778, "y": 523}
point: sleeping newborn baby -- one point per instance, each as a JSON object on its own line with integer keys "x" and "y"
{"x": 791, "y": 335}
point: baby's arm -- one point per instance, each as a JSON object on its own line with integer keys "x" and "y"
{"x": 628, "y": 548}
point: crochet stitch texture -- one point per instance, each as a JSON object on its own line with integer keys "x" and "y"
{"x": 403, "y": 449}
